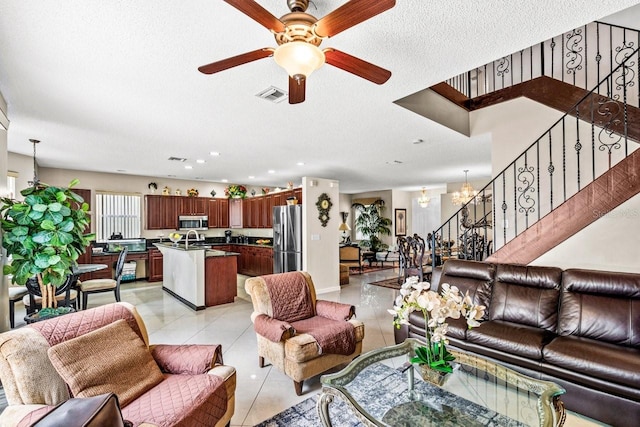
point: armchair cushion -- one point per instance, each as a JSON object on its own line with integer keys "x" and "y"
{"x": 335, "y": 310}
{"x": 187, "y": 358}
{"x": 110, "y": 359}
{"x": 332, "y": 336}
{"x": 273, "y": 329}
{"x": 290, "y": 296}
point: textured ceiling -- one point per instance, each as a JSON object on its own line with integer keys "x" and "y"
{"x": 113, "y": 86}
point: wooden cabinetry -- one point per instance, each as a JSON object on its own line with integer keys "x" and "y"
{"x": 193, "y": 206}
{"x": 254, "y": 260}
{"x": 235, "y": 213}
{"x": 220, "y": 280}
{"x": 106, "y": 273}
{"x": 218, "y": 213}
{"x": 155, "y": 265}
{"x": 161, "y": 212}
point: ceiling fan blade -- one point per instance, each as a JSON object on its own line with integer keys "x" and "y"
{"x": 296, "y": 90}
{"x": 234, "y": 61}
{"x": 259, "y": 14}
{"x": 357, "y": 66}
{"x": 349, "y": 14}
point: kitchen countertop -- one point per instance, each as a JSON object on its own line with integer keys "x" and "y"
{"x": 208, "y": 248}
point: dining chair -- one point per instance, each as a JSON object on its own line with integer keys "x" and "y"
{"x": 65, "y": 296}
{"x": 16, "y": 293}
{"x": 95, "y": 286}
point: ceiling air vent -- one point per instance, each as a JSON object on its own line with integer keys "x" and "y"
{"x": 177, "y": 159}
{"x": 273, "y": 94}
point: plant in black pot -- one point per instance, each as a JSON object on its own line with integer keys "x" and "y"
{"x": 44, "y": 235}
{"x": 371, "y": 224}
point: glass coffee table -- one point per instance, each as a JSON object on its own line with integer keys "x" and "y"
{"x": 478, "y": 393}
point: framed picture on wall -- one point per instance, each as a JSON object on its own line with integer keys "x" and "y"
{"x": 401, "y": 222}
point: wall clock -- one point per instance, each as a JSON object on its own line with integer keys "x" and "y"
{"x": 324, "y": 206}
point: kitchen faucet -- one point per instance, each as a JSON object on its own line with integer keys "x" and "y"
{"x": 186, "y": 238}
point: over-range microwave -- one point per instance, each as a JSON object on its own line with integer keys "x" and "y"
{"x": 193, "y": 222}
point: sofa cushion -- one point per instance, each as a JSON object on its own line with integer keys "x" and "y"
{"x": 180, "y": 400}
{"x": 514, "y": 338}
{"x": 527, "y": 295}
{"x": 470, "y": 276}
{"x": 110, "y": 359}
{"x": 606, "y": 361}
{"x": 601, "y": 305}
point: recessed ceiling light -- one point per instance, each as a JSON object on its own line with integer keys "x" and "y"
{"x": 200, "y": 161}
{"x": 300, "y": 163}
{"x": 271, "y": 171}
{"x": 188, "y": 167}
{"x": 225, "y": 180}
{"x": 214, "y": 153}
{"x": 251, "y": 177}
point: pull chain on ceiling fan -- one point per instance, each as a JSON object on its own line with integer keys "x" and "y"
{"x": 299, "y": 35}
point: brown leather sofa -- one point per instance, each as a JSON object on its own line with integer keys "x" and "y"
{"x": 578, "y": 328}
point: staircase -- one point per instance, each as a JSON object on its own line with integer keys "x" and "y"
{"x": 581, "y": 168}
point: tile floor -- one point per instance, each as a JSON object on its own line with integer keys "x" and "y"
{"x": 260, "y": 393}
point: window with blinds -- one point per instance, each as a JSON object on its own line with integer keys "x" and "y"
{"x": 118, "y": 213}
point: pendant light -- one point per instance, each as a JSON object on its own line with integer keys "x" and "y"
{"x": 466, "y": 193}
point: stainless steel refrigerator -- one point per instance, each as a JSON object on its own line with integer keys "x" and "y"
{"x": 287, "y": 238}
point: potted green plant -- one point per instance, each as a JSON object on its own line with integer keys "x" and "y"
{"x": 44, "y": 235}
{"x": 371, "y": 224}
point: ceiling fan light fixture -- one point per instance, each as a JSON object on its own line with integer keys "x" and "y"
{"x": 299, "y": 59}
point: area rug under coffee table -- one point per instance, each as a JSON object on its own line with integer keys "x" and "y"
{"x": 451, "y": 409}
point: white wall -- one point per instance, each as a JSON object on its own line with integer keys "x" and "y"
{"x": 610, "y": 243}
{"x": 319, "y": 244}
{"x": 23, "y": 165}
{"x": 4, "y": 293}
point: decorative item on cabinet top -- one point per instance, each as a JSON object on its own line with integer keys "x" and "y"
{"x": 166, "y": 191}
{"x": 192, "y": 192}
{"x": 153, "y": 187}
{"x": 213, "y": 193}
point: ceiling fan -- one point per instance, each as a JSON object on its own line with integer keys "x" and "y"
{"x": 298, "y": 35}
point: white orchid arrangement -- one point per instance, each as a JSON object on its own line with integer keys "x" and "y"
{"x": 418, "y": 296}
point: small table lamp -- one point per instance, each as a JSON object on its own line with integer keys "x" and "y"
{"x": 344, "y": 227}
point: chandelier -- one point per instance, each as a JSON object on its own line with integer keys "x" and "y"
{"x": 423, "y": 201}
{"x": 466, "y": 193}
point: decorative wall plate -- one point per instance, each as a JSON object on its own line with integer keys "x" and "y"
{"x": 324, "y": 206}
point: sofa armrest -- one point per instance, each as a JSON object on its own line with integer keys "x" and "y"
{"x": 335, "y": 310}
{"x": 186, "y": 358}
{"x": 272, "y": 329}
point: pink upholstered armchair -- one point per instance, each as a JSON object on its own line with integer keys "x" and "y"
{"x": 107, "y": 349}
{"x": 298, "y": 334}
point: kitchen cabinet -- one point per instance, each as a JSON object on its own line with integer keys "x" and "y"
{"x": 266, "y": 212}
{"x": 161, "y": 212}
{"x": 254, "y": 260}
{"x": 218, "y": 213}
{"x": 220, "y": 280}
{"x": 193, "y": 206}
{"x": 155, "y": 265}
{"x": 235, "y": 213}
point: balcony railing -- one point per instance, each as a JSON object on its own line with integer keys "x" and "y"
{"x": 581, "y": 57}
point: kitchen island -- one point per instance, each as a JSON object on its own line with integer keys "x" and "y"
{"x": 199, "y": 276}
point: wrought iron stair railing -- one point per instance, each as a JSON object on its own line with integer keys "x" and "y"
{"x": 580, "y": 57}
{"x": 594, "y": 135}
